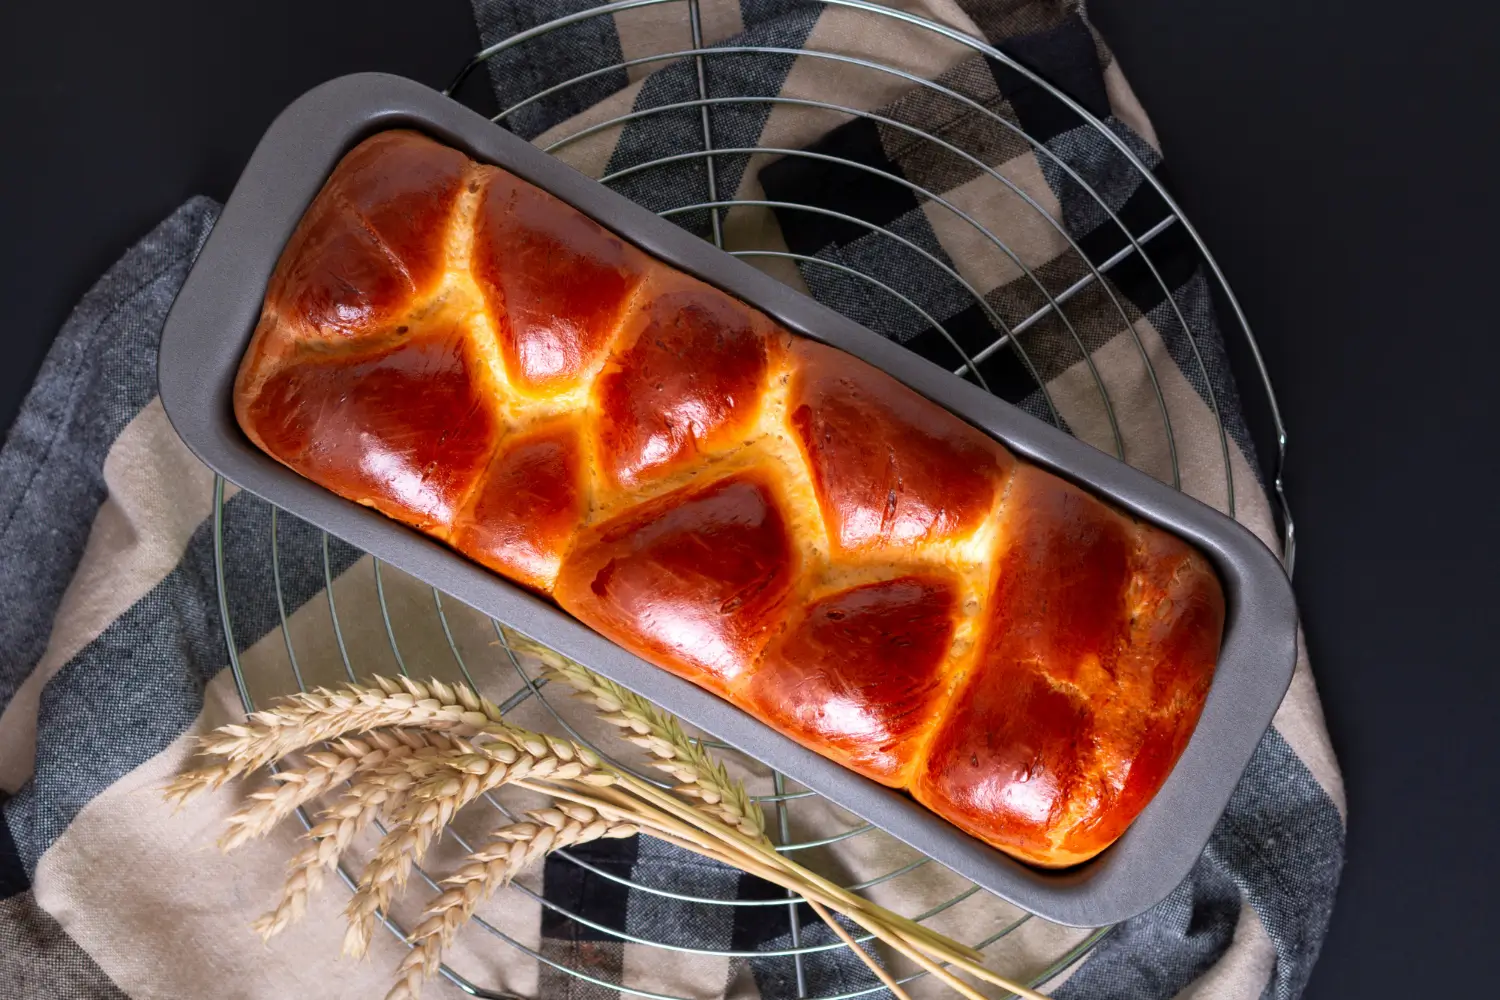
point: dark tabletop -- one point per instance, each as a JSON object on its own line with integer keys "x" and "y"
{"x": 1336, "y": 157}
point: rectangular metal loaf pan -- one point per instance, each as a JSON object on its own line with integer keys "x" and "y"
{"x": 209, "y": 328}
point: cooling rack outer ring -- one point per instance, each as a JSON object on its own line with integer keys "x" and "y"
{"x": 209, "y": 328}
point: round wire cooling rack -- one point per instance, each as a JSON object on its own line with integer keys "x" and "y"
{"x": 415, "y": 627}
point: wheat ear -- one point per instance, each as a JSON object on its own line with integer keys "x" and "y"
{"x": 698, "y": 774}
{"x": 343, "y": 758}
{"x": 390, "y": 763}
{"x": 510, "y": 851}
{"x": 323, "y": 714}
{"x": 425, "y": 790}
{"x": 289, "y": 789}
{"x": 500, "y": 754}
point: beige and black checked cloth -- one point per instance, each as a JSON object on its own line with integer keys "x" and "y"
{"x": 112, "y": 648}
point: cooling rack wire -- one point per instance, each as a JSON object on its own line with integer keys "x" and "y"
{"x": 372, "y": 619}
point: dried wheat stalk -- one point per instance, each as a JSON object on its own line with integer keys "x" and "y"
{"x": 698, "y": 775}
{"x": 510, "y": 754}
{"x": 289, "y": 789}
{"x": 303, "y": 719}
{"x": 428, "y": 749}
{"x": 389, "y": 763}
{"x": 510, "y": 851}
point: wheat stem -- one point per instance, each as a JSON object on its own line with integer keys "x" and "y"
{"x": 667, "y": 827}
{"x": 765, "y": 853}
{"x": 699, "y": 775}
{"x": 660, "y": 734}
{"x": 869, "y": 960}
{"x": 870, "y": 916}
{"x": 905, "y": 947}
{"x": 972, "y": 968}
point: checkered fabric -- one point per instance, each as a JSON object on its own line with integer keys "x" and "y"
{"x": 946, "y": 201}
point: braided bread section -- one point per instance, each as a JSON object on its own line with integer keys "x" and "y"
{"x": 766, "y": 516}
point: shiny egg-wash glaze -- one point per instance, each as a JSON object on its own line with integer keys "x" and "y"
{"x": 768, "y": 517}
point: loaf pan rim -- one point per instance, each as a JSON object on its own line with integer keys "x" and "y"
{"x": 209, "y": 326}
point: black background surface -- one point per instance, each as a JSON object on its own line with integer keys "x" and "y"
{"x": 1338, "y": 158}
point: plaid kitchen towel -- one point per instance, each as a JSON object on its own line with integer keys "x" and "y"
{"x": 112, "y": 644}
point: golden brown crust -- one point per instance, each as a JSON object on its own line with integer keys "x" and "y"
{"x": 554, "y": 283}
{"x": 890, "y": 468}
{"x": 403, "y": 428}
{"x": 695, "y": 581}
{"x": 372, "y": 241}
{"x": 529, "y": 505}
{"x": 687, "y": 378}
{"x": 859, "y": 674}
{"x": 771, "y": 518}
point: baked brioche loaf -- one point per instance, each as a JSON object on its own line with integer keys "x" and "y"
{"x": 763, "y": 515}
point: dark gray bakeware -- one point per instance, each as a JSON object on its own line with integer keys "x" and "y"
{"x": 209, "y": 328}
